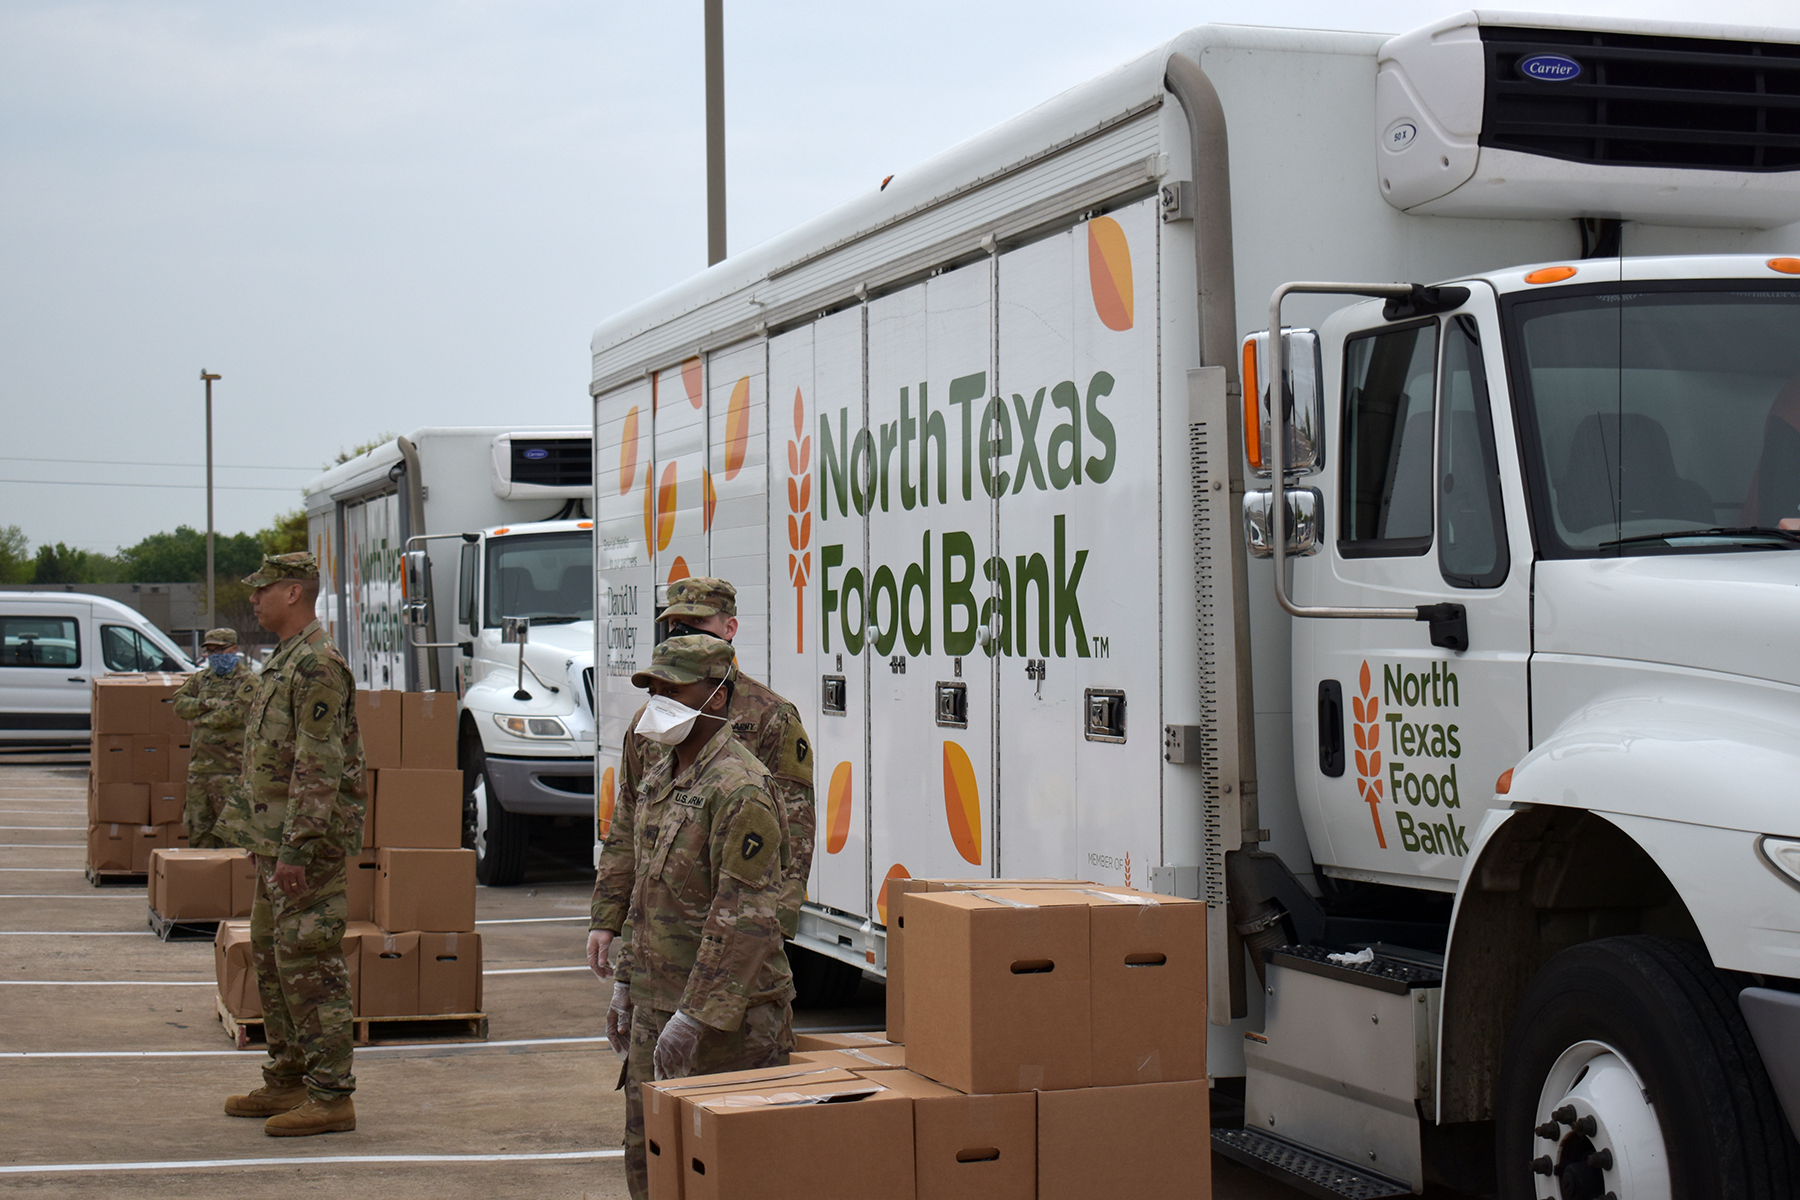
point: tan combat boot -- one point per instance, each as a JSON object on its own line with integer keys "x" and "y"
{"x": 266, "y": 1101}
{"x": 315, "y": 1116}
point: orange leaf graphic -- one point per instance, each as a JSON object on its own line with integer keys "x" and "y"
{"x": 737, "y": 427}
{"x": 678, "y": 570}
{"x": 805, "y": 453}
{"x": 805, "y": 531}
{"x": 837, "y": 809}
{"x": 794, "y": 569}
{"x": 709, "y": 500}
{"x": 690, "y": 379}
{"x": 1356, "y": 706}
{"x": 1109, "y": 273}
{"x": 1374, "y": 707}
{"x": 794, "y": 496}
{"x": 897, "y": 871}
{"x": 1362, "y": 764}
{"x": 1363, "y": 679}
{"x": 805, "y": 494}
{"x": 799, "y": 414}
{"x": 793, "y": 459}
{"x": 962, "y": 802}
{"x": 603, "y": 809}
{"x": 1362, "y": 737}
{"x": 628, "y": 448}
{"x": 665, "y": 508}
{"x": 793, "y": 532}
{"x": 649, "y": 508}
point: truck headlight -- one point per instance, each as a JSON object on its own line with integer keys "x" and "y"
{"x": 1783, "y": 854}
{"x": 532, "y": 727}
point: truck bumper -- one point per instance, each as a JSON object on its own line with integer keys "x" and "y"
{"x": 558, "y": 787}
{"x": 1774, "y": 1020}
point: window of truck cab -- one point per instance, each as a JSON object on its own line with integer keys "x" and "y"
{"x": 1658, "y": 417}
{"x": 548, "y": 577}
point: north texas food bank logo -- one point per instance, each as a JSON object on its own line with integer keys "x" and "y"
{"x": 1421, "y": 757}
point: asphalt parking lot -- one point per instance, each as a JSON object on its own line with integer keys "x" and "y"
{"x": 117, "y": 1065}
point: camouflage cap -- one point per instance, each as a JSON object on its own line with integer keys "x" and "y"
{"x": 300, "y": 566}
{"x": 700, "y": 596}
{"x": 688, "y": 659}
{"x": 220, "y": 637}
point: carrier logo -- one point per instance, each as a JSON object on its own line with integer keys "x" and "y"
{"x": 536, "y": 453}
{"x": 1553, "y": 68}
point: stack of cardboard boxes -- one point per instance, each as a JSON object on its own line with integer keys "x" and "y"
{"x": 411, "y": 946}
{"x": 1054, "y": 1046}
{"x": 137, "y": 783}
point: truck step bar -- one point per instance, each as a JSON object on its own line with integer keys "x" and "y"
{"x": 1306, "y": 1170}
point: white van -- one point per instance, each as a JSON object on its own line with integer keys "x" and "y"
{"x": 52, "y": 647}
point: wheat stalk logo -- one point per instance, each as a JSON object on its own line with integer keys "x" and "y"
{"x": 799, "y": 518}
{"x": 1366, "y": 708}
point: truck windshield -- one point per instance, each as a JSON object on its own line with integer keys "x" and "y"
{"x": 548, "y": 577}
{"x": 1660, "y": 418}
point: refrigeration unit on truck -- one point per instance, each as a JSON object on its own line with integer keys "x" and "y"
{"x": 495, "y": 606}
{"x": 1482, "y": 743}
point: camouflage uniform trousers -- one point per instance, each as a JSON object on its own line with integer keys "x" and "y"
{"x": 763, "y": 1040}
{"x": 206, "y": 797}
{"x": 296, "y": 944}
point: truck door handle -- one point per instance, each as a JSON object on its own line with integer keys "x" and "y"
{"x": 77, "y": 679}
{"x": 1331, "y": 727}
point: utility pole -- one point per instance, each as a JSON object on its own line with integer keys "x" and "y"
{"x": 211, "y": 617}
{"x": 715, "y": 131}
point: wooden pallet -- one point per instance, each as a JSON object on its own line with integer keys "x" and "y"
{"x": 108, "y": 879}
{"x": 246, "y": 1032}
{"x": 184, "y": 929}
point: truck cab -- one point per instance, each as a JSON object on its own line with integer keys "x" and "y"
{"x": 527, "y": 725}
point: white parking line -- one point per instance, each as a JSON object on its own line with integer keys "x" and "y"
{"x": 534, "y": 970}
{"x": 76, "y": 933}
{"x": 59, "y": 870}
{"x": 525, "y": 920}
{"x": 213, "y": 982}
{"x": 43, "y": 845}
{"x": 55, "y": 827}
{"x": 123, "y": 894}
{"x": 304, "y": 1160}
{"x": 458, "y": 1047}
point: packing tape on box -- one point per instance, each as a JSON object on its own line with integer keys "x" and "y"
{"x": 868, "y": 1058}
{"x": 1006, "y": 900}
{"x": 450, "y": 945}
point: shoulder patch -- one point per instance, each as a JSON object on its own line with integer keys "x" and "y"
{"x": 795, "y": 760}
{"x": 317, "y": 711}
{"x": 752, "y": 850}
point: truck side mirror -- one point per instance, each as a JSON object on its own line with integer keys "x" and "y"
{"x": 1304, "y": 387}
{"x": 1305, "y": 511}
{"x": 515, "y": 631}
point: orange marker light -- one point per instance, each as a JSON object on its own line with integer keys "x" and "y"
{"x": 1503, "y": 784}
{"x": 501, "y": 530}
{"x": 1550, "y": 275}
{"x": 1787, "y": 266}
{"x": 1253, "y": 448}
{"x": 584, "y": 524}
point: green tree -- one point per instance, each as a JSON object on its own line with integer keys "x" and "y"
{"x": 180, "y": 557}
{"x": 286, "y": 535}
{"x": 15, "y": 556}
{"x": 60, "y": 564}
{"x": 344, "y": 456}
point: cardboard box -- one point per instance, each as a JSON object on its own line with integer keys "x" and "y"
{"x": 897, "y": 889}
{"x": 1147, "y": 964}
{"x": 860, "y": 1059}
{"x": 997, "y": 994}
{"x": 789, "y": 1141}
{"x": 973, "y": 1147}
{"x": 449, "y": 973}
{"x": 429, "y": 890}
{"x": 243, "y": 885}
{"x": 662, "y": 1114}
{"x": 110, "y": 758}
{"x": 236, "y": 973}
{"x": 181, "y": 756}
{"x": 839, "y": 1041}
{"x": 1124, "y": 1143}
{"x": 159, "y": 702}
{"x": 193, "y": 884}
{"x": 355, "y": 933}
{"x": 121, "y": 705}
{"x": 118, "y": 803}
{"x": 390, "y": 975}
{"x": 149, "y": 757}
{"x": 428, "y": 731}
{"x": 420, "y": 809}
{"x": 110, "y": 845}
{"x": 168, "y": 802}
{"x": 360, "y": 874}
{"x": 378, "y": 720}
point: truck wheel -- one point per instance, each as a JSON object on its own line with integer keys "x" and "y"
{"x": 1629, "y": 1072}
{"x": 499, "y": 838}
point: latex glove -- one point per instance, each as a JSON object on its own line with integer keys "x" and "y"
{"x": 618, "y": 1020}
{"x": 599, "y": 940}
{"x": 674, "y": 1054}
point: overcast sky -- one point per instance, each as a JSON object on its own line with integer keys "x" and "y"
{"x": 373, "y": 217}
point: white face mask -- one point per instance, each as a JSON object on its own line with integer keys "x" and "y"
{"x": 669, "y": 722}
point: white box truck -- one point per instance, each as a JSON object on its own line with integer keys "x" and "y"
{"x": 504, "y": 619}
{"x": 1489, "y": 772}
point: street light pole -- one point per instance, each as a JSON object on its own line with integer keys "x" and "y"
{"x": 211, "y": 616}
{"x": 715, "y": 131}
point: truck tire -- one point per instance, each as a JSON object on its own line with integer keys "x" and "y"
{"x": 499, "y": 838}
{"x": 821, "y": 981}
{"x": 1629, "y": 1071}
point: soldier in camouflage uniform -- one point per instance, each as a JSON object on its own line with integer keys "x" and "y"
{"x": 215, "y": 698}
{"x": 299, "y": 809}
{"x": 700, "y": 874}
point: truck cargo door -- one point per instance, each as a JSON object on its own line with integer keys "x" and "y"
{"x": 1417, "y": 510}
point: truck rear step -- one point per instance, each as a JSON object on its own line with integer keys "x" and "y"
{"x": 1307, "y": 1170}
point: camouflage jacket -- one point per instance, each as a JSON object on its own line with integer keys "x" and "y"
{"x": 217, "y": 705}
{"x": 302, "y": 790}
{"x": 707, "y": 865}
{"x": 771, "y": 728}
